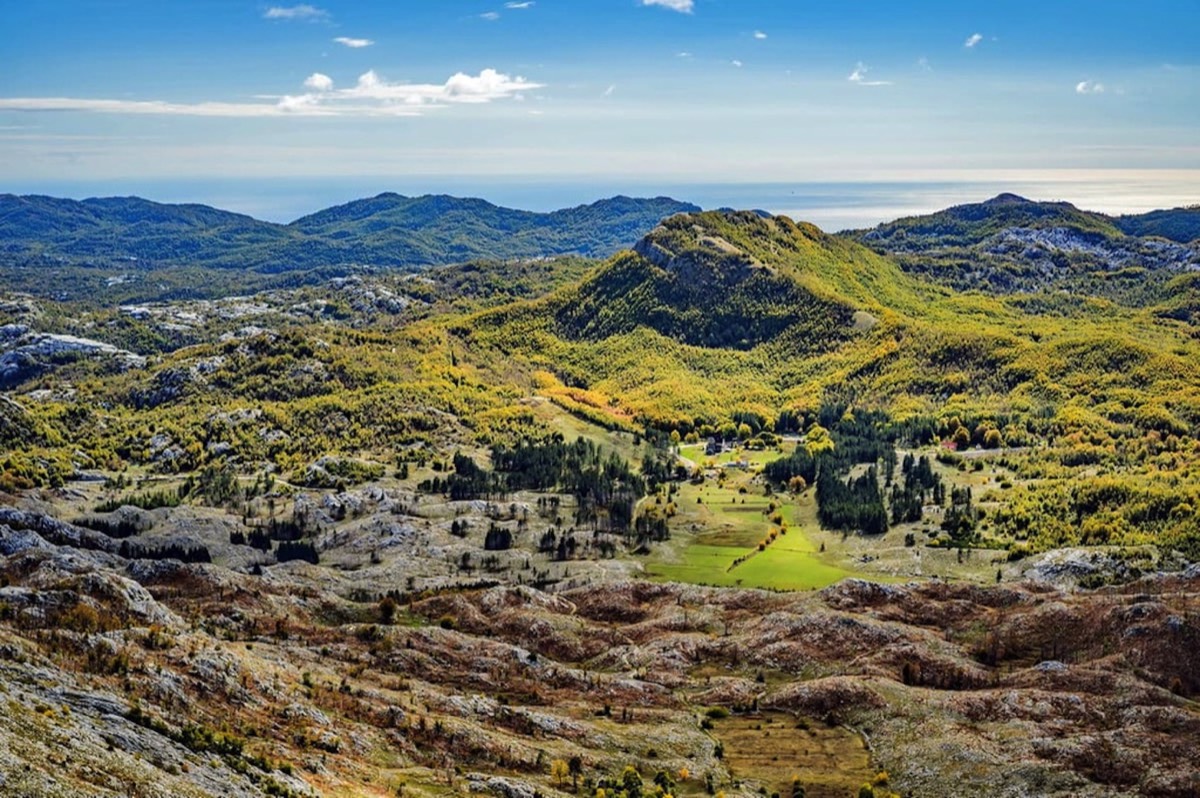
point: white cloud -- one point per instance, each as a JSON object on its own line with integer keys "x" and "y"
{"x": 370, "y": 96}
{"x": 973, "y": 39}
{"x": 736, "y": 63}
{"x": 859, "y": 76}
{"x": 683, "y": 54}
{"x": 519, "y": 6}
{"x": 682, "y": 6}
{"x": 318, "y": 82}
{"x": 759, "y": 34}
{"x": 303, "y": 11}
{"x": 486, "y": 86}
{"x": 354, "y": 43}
{"x": 609, "y": 91}
{"x": 490, "y": 16}
{"x": 923, "y": 64}
{"x": 1089, "y": 87}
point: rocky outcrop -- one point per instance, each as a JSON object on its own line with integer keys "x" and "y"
{"x": 1037, "y": 246}
{"x": 25, "y": 353}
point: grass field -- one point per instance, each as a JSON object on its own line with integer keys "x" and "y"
{"x": 718, "y": 524}
{"x": 779, "y": 567}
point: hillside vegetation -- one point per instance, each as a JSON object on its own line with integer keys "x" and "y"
{"x": 713, "y": 320}
{"x": 733, "y": 316}
{"x": 386, "y": 231}
{"x": 1177, "y": 224}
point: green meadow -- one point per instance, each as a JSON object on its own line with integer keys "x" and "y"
{"x": 790, "y": 563}
{"x": 718, "y": 524}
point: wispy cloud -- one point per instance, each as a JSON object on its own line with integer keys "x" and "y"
{"x": 520, "y": 6}
{"x": 683, "y": 54}
{"x": 490, "y": 16}
{"x": 140, "y": 107}
{"x": 354, "y": 43}
{"x": 972, "y": 40}
{"x": 67, "y": 137}
{"x": 1089, "y": 87}
{"x": 759, "y": 35}
{"x": 609, "y": 91}
{"x": 682, "y": 6}
{"x": 370, "y": 96}
{"x": 736, "y": 63}
{"x": 303, "y": 11}
{"x": 859, "y": 76}
{"x": 923, "y": 64}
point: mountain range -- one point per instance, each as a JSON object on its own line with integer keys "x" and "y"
{"x": 388, "y": 230}
{"x": 128, "y": 249}
{"x": 395, "y": 231}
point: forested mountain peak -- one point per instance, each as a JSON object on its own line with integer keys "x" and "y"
{"x": 398, "y": 209}
{"x": 734, "y": 280}
{"x": 53, "y": 214}
{"x": 1005, "y": 198}
{"x": 731, "y": 243}
{"x": 972, "y": 222}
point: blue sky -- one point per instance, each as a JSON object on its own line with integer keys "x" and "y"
{"x": 677, "y": 92}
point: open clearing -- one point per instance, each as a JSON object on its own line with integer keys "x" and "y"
{"x": 718, "y": 524}
{"x": 773, "y": 748}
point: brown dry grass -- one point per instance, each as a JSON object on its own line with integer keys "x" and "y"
{"x": 772, "y": 748}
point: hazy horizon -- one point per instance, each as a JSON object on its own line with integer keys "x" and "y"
{"x": 831, "y": 205}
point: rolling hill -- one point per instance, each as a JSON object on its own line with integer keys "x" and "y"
{"x": 716, "y": 313}
{"x": 731, "y": 280}
{"x": 386, "y": 231}
{"x": 1176, "y": 224}
{"x": 970, "y": 223}
{"x": 442, "y": 229}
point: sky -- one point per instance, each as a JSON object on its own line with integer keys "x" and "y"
{"x": 271, "y": 106}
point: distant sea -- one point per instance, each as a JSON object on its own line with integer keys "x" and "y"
{"x": 830, "y": 205}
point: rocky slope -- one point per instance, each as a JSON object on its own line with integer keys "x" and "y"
{"x": 1010, "y": 244}
{"x": 155, "y": 678}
